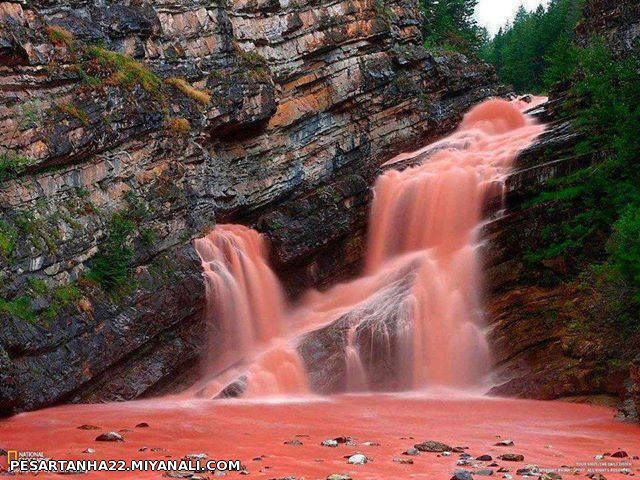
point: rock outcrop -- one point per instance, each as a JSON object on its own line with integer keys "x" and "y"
{"x": 129, "y": 128}
{"x": 616, "y": 21}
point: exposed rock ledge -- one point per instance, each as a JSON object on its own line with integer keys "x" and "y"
{"x": 305, "y": 103}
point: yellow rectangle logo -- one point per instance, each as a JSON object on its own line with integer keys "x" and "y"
{"x": 12, "y": 455}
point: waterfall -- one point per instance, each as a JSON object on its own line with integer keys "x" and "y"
{"x": 419, "y": 300}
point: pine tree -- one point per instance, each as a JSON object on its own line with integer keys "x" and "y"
{"x": 530, "y": 52}
{"x": 450, "y": 24}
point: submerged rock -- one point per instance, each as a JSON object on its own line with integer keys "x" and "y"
{"x": 504, "y": 443}
{"x": 338, "y": 476}
{"x": 620, "y": 454}
{"x": 484, "y": 472}
{"x": 329, "y": 443}
{"x": 88, "y": 427}
{"x": 529, "y": 471}
{"x": 551, "y": 476}
{"x": 411, "y": 451}
{"x": 294, "y": 442}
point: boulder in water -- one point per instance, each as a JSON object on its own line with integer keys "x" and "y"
{"x": 505, "y": 443}
{"x": 462, "y": 475}
{"x": 484, "y": 472}
{"x": 235, "y": 389}
{"x": 109, "y": 437}
{"x": 358, "y": 459}
{"x": 485, "y": 458}
{"x": 551, "y": 476}
{"x": 338, "y": 476}
{"x": 529, "y": 471}
{"x": 329, "y": 443}
{"x": 411, "y": 451}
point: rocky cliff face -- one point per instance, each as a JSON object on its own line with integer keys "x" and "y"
{"x": 129, "y": 128}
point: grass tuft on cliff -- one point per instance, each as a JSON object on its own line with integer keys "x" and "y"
{"x": 18, "y": 307}
{"x": 179, "y": 126}
{"x": 124, "y": 70}
{"x": 60, "y": 36}
{"x": 200, "y": 96}
{"x": 75, "y": 112}
{"x": 112, "y": 267}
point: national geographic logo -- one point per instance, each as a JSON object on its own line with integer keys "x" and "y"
{"x": 16, "y": 456}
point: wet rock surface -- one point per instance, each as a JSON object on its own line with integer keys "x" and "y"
{"x": 378, "y": 336}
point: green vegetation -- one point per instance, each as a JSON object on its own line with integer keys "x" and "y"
{"x": 600, "y": 205}
{"x": 37, "y": 230}
{"x": 124, "y": 70}
{"x": 536, "y": 50}
{"x": 12, "y": 164}
{"x": 38, "y": 286}
{"x": 31, "y": 114}
{"x": 593, "y": 215}
{"x": 54, "y": 300}
{"x": 67, "y": 295}
{"x": 449, "y": 24}
{"x": 112, "y": 267}
{"x": 60, "y": 36}
{"x": 8, "y": 236}
{"x": 75, "y": 112}
{"x": 18, "y": 307}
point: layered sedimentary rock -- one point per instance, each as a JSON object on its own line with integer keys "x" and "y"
{"x": 128, "y": 129}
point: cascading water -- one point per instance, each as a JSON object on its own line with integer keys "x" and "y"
{"x": 418, "y": 304}
{"x": 243, "y": 293}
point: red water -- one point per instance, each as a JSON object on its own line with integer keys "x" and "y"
{"x": 549, "y": 434}
{"x": 244, "y": 298}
